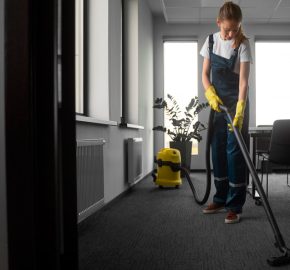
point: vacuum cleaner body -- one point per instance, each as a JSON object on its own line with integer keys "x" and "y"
{"x": 167, "y": 176}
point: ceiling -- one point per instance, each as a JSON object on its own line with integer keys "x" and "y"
{"x": 205, "y": 11}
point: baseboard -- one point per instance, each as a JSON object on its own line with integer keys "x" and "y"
{"x": 91, "y": 210}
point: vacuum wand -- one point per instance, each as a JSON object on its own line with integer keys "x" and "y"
{"x": 280, "y": 243}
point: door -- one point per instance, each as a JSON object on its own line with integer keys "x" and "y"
{"x": 40, "y": 134}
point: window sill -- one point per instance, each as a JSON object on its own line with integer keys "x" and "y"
{"x": 133, "y": 126}
{"x": 92, "y": 120}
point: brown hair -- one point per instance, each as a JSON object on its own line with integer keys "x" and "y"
{"x": 231, "y": 11}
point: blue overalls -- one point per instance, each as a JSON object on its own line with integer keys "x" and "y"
{"x": 228, "y": 162}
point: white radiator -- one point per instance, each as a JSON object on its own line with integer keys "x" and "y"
{"x": 90, "y": 177}
{"x": 134, "y": 160}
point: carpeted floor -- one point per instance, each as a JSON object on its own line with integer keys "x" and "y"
{"x": 156, "y": 229}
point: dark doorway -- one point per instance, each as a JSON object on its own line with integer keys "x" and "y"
{"x": 40, "y": 134}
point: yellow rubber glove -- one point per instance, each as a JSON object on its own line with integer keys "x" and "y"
{"x": 239, "y": 117}
{"x": 213, "y": 99}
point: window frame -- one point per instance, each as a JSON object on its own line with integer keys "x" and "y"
{"x": 84, "y": 116}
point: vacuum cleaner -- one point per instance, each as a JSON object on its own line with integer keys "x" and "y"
{"x": 168, "y": 173}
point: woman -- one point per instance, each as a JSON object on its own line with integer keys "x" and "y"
{"x": 227, "y": 57}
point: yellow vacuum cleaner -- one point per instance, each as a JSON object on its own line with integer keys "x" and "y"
{"x": 169, "y": 167}
{"x": 166, "y": 175}
{"x": 168, "y": 171}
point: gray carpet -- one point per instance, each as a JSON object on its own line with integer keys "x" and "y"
{"x": 152, "y": 228}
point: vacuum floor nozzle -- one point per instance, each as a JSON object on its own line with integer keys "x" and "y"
{"x": 279, "y": 261}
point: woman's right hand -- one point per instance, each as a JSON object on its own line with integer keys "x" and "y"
{"x": 213, "y": 99}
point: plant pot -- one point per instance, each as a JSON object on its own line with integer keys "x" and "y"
{"x": 185, "y": 152}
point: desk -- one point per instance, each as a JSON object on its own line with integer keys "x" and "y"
{"x": 254, "y": 133}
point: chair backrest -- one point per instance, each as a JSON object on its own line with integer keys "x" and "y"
{"x": 263, "y": 143}
{"x": 279, "y": 151}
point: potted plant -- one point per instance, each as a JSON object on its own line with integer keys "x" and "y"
{"x": 185, "y": 126}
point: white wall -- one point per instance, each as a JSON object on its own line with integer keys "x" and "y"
{"x": 200, "y": 32}
{"x": 3, "y": 216}
{"x": 114, "y": 149}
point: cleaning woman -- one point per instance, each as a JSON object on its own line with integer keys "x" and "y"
{"x": 227, "y": 58}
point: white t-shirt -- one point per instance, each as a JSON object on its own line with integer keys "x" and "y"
{"x": 224, "y": 48}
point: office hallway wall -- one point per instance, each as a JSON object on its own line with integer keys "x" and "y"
{"x": 115, "y": 181}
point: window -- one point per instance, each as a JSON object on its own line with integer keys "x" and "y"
{"x": 272, "y": 89}
{"x": 180, "y": 76}
{"x": 92, "y": 58}
{"x": 79, "y": 33}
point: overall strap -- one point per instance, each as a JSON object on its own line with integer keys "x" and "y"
{"x": 234, "y": 57}
{"x": 210, "y": 43}
{"x": 236, "y": 51}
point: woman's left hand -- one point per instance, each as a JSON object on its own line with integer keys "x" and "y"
{"x": 239, "y": 117}
{"x": 237, "y": 122}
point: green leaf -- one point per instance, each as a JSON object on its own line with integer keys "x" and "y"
{"x": 188, "y": 114}
{"x": 177, "y": 122}
{"x": 159, "y": 128}
{"x": 190, "y": 105}
{"x": 158, "y": 100}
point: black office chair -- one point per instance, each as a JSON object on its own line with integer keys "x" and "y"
{"x": 262, "y": 144}
{"x": 279, "y": 149}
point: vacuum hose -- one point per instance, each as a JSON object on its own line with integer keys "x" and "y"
{"x": 207, "y": 162}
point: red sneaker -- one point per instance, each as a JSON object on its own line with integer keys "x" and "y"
{"x": 213, "y": 208}
{"x": 232, "y": 217}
